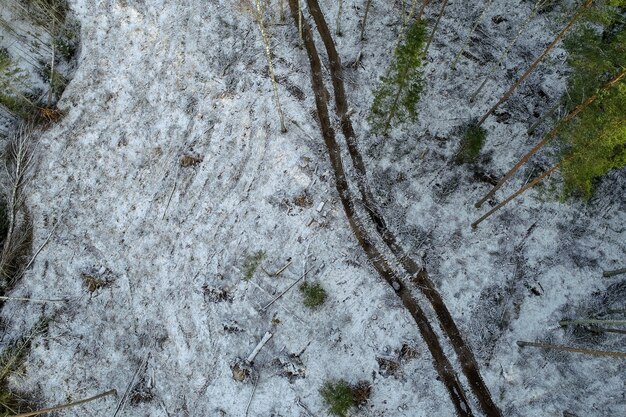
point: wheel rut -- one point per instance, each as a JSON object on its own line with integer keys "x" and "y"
{"x": 419, "y": 276}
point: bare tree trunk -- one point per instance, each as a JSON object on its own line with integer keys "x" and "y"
{"x": 543, "y": 117}
{"x": 550, "y": 135}
{"x": 592, "y": 321}
{"x": 64, "y": 406}
{"x": 515, "y": 194}
{"x": 300, "y": 20}
{"x": 571, "y": 349}
{"x": 432, "y": 35}
{"x": 258, "y": 15}
{"x": 498, "y": 63}
{"x": 52, "y": 69}
{"x": 534, "y": 65}
{"x": 469, "y": 35}
{"x": 422, "y": 9}
{"x": 367, "y": 9}
{"x": 411, "y": 12}
{"x": 608, "y": 274}
{"x": 338, "y": 28}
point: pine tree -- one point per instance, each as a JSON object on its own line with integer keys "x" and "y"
{"x": 555, "y": 131}
{"x": 593, "y": 53}
{"x": 597, "y": 141}
{"x": 396, "y": 98}
{"x": 575, "y": 158}
{"x": 595, "y": 105}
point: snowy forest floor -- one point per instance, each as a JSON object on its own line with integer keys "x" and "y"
{"x": 166, "y": 243}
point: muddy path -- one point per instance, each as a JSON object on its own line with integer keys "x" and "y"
{"x": 386, "y": 269}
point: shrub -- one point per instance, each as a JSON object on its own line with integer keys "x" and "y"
{"x": 339, "y": 397}
{"x": 314, "y": 295}
{"x": 16, "y": 220}
{"x": 251, "y": 263}
{"x": 471, "y": 143}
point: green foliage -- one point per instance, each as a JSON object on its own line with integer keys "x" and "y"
{"x": 396, "y": 98}
{"x": 52, "y": 15}
{"x": 9, "y": 403}
{"x": 12, "y": 360}
{"x": 251, "y": 263}
{"x": 12, "y": 79}
{"x": 595, "y": 142}
{"x": 339, "y": 397}
{"x": 67, "y": 39}
{"x": 592, "y": 54}
{"x": 17, "y": 94}
{"x": 46, "y": 12}
{"x": 471, "y": 143}
{"x": 314, "y": 294}
{"x": 605, "y": 12}
{"x": 5, "y": 60}
{"x": 53, "y": 78}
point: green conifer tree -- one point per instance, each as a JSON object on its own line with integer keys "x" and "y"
{"x": 593, "y": 134}
{"x": 593, "y": 53}
{"x": 595, "y": 143}
{"x": 396, "y": 99}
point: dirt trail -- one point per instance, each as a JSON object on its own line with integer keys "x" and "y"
{"x": 419, "y": 275}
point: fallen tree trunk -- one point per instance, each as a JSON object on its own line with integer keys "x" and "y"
{"x": 419, "y": 275}
{"x": 384, "y": 269}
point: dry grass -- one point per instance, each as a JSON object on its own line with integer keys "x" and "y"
{"x": 18, "y": 237}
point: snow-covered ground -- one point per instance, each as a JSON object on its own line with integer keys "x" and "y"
{"x": 163, "y": 80}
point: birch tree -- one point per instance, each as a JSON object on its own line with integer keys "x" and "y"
{"x": 258, "y": 12}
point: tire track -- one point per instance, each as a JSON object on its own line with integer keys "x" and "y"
{"x": 382, "y": 266}
{"x": 419, "y": 275}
